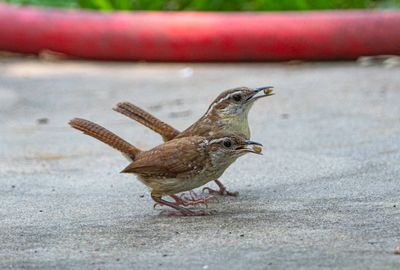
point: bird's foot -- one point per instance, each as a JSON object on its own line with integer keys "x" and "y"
{"x": 193, "y": 199}
{"x": 180, "y": 211}
{"x": 187, "y": 213}
{"x": 222, "y": 191}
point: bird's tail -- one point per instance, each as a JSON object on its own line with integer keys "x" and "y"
{"x": 146, "y": 119}
{"x": 102, "y": 134}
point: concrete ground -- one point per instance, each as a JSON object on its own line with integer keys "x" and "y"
{"x": 325, "y": 194}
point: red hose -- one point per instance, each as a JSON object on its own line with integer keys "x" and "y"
{"x": 196, "y": 36}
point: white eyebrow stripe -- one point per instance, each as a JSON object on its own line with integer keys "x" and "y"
{"x": 233, "y": 93}
{"x": 217, "y": 140}
{"x": 222, "y": 99}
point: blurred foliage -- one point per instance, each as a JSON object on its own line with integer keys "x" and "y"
{"x": 212, "y": 5}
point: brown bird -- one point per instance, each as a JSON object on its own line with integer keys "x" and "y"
{"x": 228, "y": 112}
{"x": 178, "y": 165}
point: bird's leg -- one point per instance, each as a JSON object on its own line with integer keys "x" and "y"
{"x": 186, "y": 201}
{"x": 182, "y": 200}
{"x": 222, "y": 190}
{"x": 179, "y": 200}
{"x": 195, "y": 199}
{"x": 182, "y": 211}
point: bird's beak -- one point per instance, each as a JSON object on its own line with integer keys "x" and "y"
{"x": 251, "y": 147}
{"x": 261, "y": 92}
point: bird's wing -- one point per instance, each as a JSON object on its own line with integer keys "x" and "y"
{"x": 170, "y": 160}
{"x": 199, "y": 128}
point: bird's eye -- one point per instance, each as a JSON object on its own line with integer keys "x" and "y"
{"x": 227, "y": 143}
{"x": 237, "y": 97}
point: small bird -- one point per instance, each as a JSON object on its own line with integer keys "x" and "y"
{"x": 178, "y": 165}
{"x": 228, "y": 112}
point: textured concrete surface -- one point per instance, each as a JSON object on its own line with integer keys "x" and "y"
{"x": 326, "y": 193}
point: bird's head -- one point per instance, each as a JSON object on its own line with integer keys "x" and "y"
{"x": 225, "y": 147}
{"x": 237, "y": 101}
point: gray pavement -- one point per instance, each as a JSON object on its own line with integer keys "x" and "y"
{"x": 325, "y": 194}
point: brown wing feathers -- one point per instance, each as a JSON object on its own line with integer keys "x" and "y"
{"x": 145, "y": 118}
{"x": 104, "y": 135}
{"x": 169, "y": 159}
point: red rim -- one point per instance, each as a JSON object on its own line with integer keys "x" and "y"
{"x": 196, "y": 36}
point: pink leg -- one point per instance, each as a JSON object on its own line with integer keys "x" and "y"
{"x": 181, "y": 210}
{"x": 222, "y": 190}
{"x": 194, "y": 199}
{"x": 186, "y": 201}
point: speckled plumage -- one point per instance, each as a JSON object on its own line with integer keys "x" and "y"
{"x": 178, "y": 165}
{"x": 225, "y": 113}
{"x": 184, "y": 163}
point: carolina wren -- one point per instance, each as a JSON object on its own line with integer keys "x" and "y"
{"x": 178, "y": 165}
{"x": 228, "y": 112}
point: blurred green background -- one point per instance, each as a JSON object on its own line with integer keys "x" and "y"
{"x": 212, "y": 5}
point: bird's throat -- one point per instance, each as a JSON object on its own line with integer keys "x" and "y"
{"x": 235, "y": 124}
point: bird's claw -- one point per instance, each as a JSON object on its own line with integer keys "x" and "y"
{"x": 194, "y": 199}
{"x": 221, "y": 192}
{"x": 188, "y": 213}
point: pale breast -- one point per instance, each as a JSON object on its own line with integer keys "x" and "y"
{"x": 236, "y": 125}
